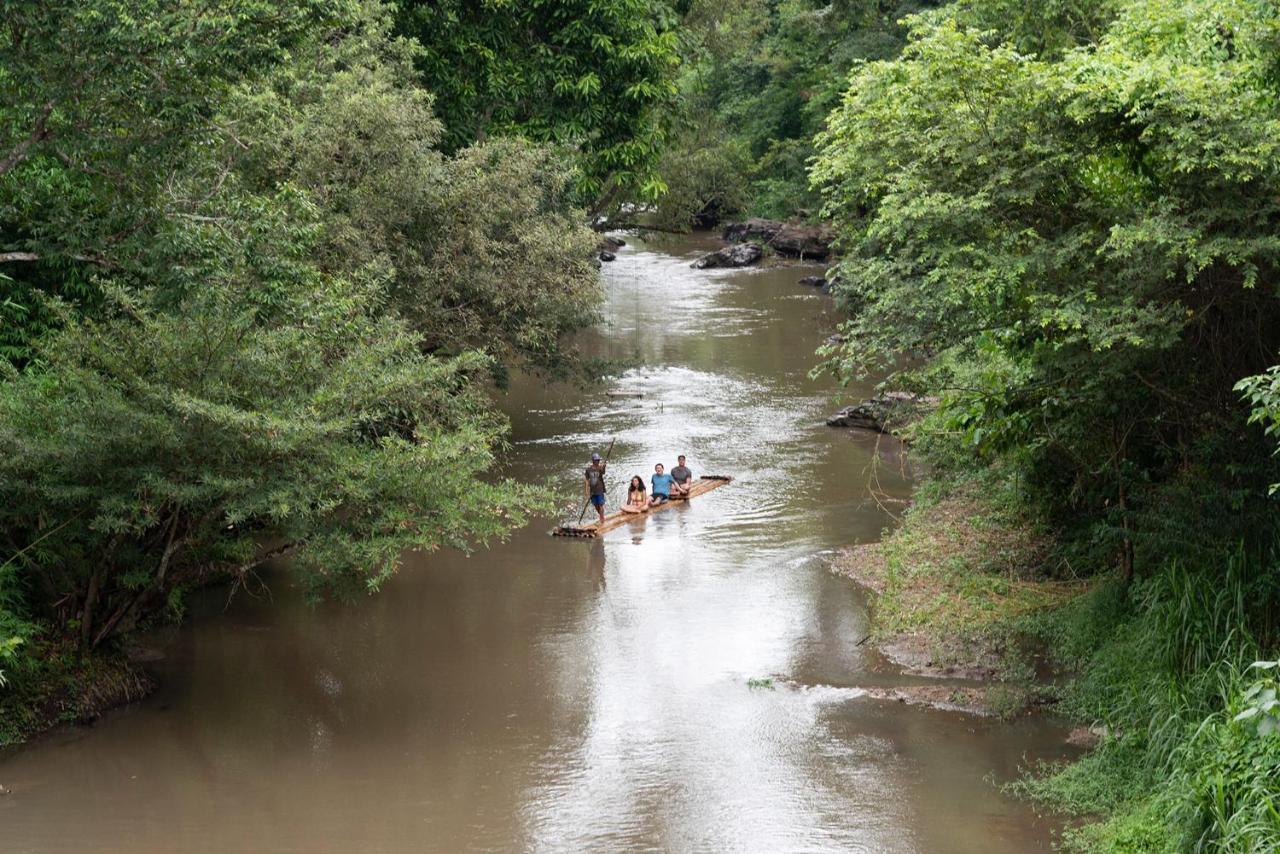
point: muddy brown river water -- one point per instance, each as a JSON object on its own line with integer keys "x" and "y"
{"x": 551, "y": 695}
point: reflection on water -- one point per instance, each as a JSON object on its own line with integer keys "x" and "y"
{"x": 569, "y": 695}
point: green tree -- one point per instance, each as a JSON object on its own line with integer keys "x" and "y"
{"x": 594, "y": 75}
{"x": 1078, "y": 251}
{"x": 288, "y": 350}
{"x": 1262, "y": 392}
{"x": 481, "y": 250}
{"x": 757, "y": 83}
{"x": 152, "y": 451}
{"x": 98, "y": 103}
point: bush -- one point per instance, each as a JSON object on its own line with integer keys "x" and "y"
{"x": 151, "y": 451}
{"x": 1160, "y": 664}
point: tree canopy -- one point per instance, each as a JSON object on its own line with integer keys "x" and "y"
{"x": 252, "y": 308}
{"x": 1077, "y": 249}
{"x": 592, "y": 75}
{"x": 757, "y": 83}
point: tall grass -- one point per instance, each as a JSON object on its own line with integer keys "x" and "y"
{"x": 1165, "y": 666}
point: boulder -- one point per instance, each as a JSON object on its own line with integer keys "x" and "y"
{"x": 814, "y": 281}
{"x": 738, "y": 255}
{"x": 608, "y": 246}
{"x": 793, "y": 239}
{"x": 883, "y": 413}
{"x": 862, "y": 416}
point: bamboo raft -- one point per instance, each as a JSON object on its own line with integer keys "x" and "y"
{"x": 618, "y": 518}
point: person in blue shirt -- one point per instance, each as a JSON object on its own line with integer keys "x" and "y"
{"x": 661, "y": 483}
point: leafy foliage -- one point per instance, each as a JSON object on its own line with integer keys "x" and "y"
{"x": 595, "y": 75}
{"x": 1060, "y": 218}
{"x": 1262, "y": 392}
{"x": 759, "y": 79}
{"x": 252, "y": 310}
{"x": 182, "y": 441}
{"x": 482, "y": 250}
{"x": 1259, "y": 700}
{"x": 1163, "y": 664}
{"x": 1076, "y": 250}
{"x": 98, "y": 102}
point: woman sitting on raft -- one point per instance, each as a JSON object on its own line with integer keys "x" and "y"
{"x": 637, "y": 501}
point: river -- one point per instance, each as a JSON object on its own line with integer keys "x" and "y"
{"x": 553, "y": 695}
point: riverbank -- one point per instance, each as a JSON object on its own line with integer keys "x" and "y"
{"x": 950, "y": 585}
{"x": 60, "y": 684}
{"x": 1154, "y": 674}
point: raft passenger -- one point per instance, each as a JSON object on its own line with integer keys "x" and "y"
{"x": 681, "y": 477}
{"x": 637, "y": 500}
{"x": 661, "y": 484}
{"x": 593, "y": 479}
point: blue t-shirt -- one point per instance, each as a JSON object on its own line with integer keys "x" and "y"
{"x": 662, "y": 484}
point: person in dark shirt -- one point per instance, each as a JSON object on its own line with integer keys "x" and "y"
{"x": 593, "y": 478}
{"x": 681, "y": 478}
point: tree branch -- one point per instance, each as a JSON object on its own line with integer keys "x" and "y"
{"x": 10, "y": 257}
{"x": 38, "y": 134}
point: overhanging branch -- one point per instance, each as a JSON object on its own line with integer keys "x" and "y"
{"x": 38, "y": 134}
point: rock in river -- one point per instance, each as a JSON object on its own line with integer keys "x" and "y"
{"x": 739, "y": 255}
{"x": 608, "y": 256}
{"x": 883, "y": 413}
{"x": 814, "y": 281}
{"x": 796, "y": 240}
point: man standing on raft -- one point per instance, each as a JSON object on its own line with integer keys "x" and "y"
{"x": 680, "y": 477}
{"x": 593, "y": 479}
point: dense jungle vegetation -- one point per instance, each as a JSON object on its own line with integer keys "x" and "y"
{"x": 261, "y": 265}
{"x": 1062, "y": 220}
{"x": 255, "y": 288}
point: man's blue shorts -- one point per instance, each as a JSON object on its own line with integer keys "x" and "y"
{"x": 597, "y": 500}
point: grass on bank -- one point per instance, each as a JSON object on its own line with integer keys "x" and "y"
{"x": 967, "y": 559}
{"x": 1167, "y": 665}
{"x": 1164, "y": 664}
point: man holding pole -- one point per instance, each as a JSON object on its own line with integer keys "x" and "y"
{"x": 593, "y": 479}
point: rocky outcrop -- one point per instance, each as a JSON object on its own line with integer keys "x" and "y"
{"x": 795, "y": 240}
{"x": 738, "y": 255}
{"x": 609, "y": 245}
{"x": 884, "y": 413}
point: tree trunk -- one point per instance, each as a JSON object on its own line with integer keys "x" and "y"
{"x": 38, "y": 134}
{"x": 90, "y": 601}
